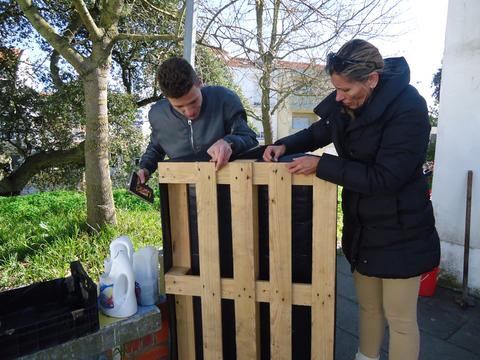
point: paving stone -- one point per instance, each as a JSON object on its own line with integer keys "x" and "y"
{"x": 433, "y": 348}
{"x": 439, "y": 315}
{"x": 346, "y": 315}
{"x": 346, "y": 345}
{"x": 343, "y": 266}
{"x": 468, "y": 337}
{"x": 346, "y": 286}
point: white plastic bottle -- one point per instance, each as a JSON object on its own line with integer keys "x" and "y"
{"x": 122, "y": 243}
{"x": 145, "y": 266}
{"x": 117, "y": 287}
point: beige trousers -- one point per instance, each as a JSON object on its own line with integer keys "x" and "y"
{"x": 391, "y": 301}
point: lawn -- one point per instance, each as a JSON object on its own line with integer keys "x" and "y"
{"x": 41, "y": 234}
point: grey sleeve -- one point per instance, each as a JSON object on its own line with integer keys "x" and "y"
{"x": 153, "y": 154}
{"x": 241, "y": 136}
{"x": 238, "y": 132}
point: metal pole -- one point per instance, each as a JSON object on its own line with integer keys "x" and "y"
{"x": 190, "y": 33}
{"x": 464, "y": 300}
{"x": 467, "y": 233}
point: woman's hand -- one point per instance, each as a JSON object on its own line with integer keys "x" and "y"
{"x": 273, "y": 152}
{"x": 303, "y": 165}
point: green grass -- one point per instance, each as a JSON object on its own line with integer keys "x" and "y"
{"x": 41, "y": 234}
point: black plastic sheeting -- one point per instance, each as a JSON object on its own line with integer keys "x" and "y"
{"x": 301, "y": 262}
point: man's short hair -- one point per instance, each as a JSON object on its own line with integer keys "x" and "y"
{"x": 176, "y": 77}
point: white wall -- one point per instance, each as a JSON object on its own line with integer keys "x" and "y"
{"x": 458, "y": 139}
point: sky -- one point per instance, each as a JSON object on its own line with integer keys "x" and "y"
{"x": 421, "y": 28}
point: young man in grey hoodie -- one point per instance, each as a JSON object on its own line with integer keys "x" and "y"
{"x": 194, "y": 119}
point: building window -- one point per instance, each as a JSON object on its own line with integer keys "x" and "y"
{"x": 300, "y": 122}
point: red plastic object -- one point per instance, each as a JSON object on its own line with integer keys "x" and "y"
{"x": 428, "y": 283}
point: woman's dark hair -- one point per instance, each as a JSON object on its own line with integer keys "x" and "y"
{"x": 176, "y": 77}
{"x": 355, "y": 60}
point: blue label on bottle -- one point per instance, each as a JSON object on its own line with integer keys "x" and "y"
{"x": 106, "y": 296}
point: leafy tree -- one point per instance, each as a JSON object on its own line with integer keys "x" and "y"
{"x": 268, "y": 32}
{"x": 42, "y": 133}
{"x": 84, "y": 34}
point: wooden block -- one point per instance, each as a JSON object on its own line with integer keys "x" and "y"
{"x": 323, "y": 269}
{"x": 245, "y": 247}
{"x": 178, "y": 201}
{"x": 209, "y": 252}
{"x": 280, "y": 238}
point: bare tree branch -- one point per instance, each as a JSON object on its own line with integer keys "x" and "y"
{"x": 214, "y": 17}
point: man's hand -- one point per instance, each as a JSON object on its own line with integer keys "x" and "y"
{"x": 304, "y": 165}
{"x": 273, "y": 152}
{"x": 220, "y": 153}
{"x": 143, "y": 175}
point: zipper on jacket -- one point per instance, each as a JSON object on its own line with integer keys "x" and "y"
{"x": 191, "y": 134}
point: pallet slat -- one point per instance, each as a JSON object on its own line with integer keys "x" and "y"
{"x": 176, "y": 283}
{"x": 245, "y": 244}
{"x": 181, "y": 173}
{"x": 323, "y": 267}
{"x": 280, "y": 235}
{"x": 178, "y": 202}
{"x": 209, "y": 252}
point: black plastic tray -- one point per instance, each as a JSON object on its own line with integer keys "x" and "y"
{"x": 44, "y": 314}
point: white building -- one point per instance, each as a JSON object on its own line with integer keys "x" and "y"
{"x": 295, "y": 113}
{"x": 458, "y": 147}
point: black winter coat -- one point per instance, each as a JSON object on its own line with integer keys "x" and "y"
{"x": 389, "y": 228}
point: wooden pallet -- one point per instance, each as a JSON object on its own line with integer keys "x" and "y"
{"x": 245, "y": 288}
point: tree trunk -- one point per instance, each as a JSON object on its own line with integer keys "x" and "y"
{"x": 100, "y": 205}
{"x": 265, "y": 82}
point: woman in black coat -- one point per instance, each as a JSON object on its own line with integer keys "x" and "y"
{"x": 379, "y": 126}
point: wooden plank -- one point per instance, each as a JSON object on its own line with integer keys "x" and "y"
{"x": 245, "y": 243}
{"x": 179, "y": 284}
{"x": 208, "y": 243}
{"x": 323, "y": 269}
{"x": 182, "y": 173}
{"x": 176, "y": 173}
{"x": 280, "y": 235}
{"x": 177, "y": 196}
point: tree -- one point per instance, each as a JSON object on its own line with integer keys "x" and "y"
{"x": 44, "y": 131}
{"x": 436, "y": 85}
{"x": 268, "y": 32}
{"x": 97, "y": 27}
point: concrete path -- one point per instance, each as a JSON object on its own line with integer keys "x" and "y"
{"x": 447, "y": 331}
